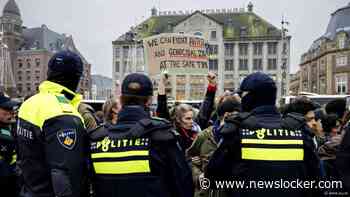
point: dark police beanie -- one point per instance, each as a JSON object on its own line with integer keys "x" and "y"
{"x": 137, "y": 84}
{"x": 262, "y": 91}
{"x": 65, "y": 68}
{"x": 65, "y": 63}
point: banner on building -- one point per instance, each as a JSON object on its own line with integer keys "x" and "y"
{"x": 176, "y": 53}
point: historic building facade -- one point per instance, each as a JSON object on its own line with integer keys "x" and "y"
{"x": 31, "y": 49}
{"x": 325, "y": 67}
{"x": 239, "y": 42}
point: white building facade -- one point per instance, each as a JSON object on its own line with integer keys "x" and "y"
{"x": 235, "y": 49}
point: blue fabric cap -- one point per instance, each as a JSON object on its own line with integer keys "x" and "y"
{"x": 65, "y": 63}
{"x": 258, "y": 82}
{"x": 137, "y": 84}
{"x": 6, "y": 102}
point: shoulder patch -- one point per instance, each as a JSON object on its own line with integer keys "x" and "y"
{"x": 5, "y": 132}
{"x": 67, "y": 138}
{"x": 62, "y": 99}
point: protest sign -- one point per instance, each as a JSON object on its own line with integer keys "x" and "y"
{"x": 176, "y": 53}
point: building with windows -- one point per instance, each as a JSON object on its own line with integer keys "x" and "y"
{"x": 325, "y": 67}
{"x": 238, "y": 42}
{"x": 31, "y": 49}
{"x": 101, "y": 87}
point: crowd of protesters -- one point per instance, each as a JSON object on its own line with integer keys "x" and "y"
{"x": 66, "y": 148}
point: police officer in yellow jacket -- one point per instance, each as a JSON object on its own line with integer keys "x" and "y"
{"x": 8, "y": 181}
{"x": 139, "y": 156}
{"x": 258, "y": 145}
{"x": 51, "y": 134}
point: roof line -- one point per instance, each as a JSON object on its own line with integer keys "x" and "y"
{"x": 197, "y": 11}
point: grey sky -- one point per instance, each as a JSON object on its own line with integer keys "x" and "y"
{"x": 94, "y": 24}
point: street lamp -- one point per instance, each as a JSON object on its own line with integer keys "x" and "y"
{"x": 284, "y": 68}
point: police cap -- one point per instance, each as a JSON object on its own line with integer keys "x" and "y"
{"x": 258, "y": 82}
{"x": 137, "y": 84}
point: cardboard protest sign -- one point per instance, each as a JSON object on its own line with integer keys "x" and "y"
{"x": 176, "y": 53}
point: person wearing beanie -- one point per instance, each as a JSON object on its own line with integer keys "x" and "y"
{"x": 258, "y": 144}
{"x": 336, "y": 106}
{"x": 139, "y": 155}
{"x": 51, "y": 137}
{"x": 207, "y": 141}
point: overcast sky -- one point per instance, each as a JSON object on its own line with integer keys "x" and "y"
{"x": 94, "y": 24}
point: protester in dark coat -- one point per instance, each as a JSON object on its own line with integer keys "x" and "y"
{"x": 207, "y": 142}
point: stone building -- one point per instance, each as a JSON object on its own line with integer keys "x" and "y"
{"x": 239, "y": 42}
{"x": 31, "y": 49}
{"x": 325, "y": 67}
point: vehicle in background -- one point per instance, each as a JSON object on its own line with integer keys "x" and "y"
{"x": 320, "y": 99}
{"x": 96, "y": 104}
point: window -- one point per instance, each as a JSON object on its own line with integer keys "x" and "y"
{"x": 229, "y": 49}
{"x": 243, "y": 64}
{"x": 37, "y": 78}
{"x": 117, "y": 52}
{"x": 243, "y": 31}
{"x": 272, "y": 64}
{"x": 229, "y": 65}
{"x": 342, "y": 61}
{"x": 28, "y": 63}
{"x": 213, "y": 35}
{"x": 125, "y": 51}
{"x": 19, "y": 88}
{"x": 28, "y": 78}
{"x": 305, "y": 86}
{"x": 243, "y": 49}
{"x": 257, "y": 64}
{"x": 19, "y": 78}
{"x": 125, "y": 66}
{"x": 341, "y": 43}
{"x": 229, "y": 82}
{"x": 20, "y": 64}
{"x": 213, "y": 64}
{"x": 341, "y": 82}
{"x": 117, "y": 66}
{"x": 139, "y": 52}
{"x": 258, "y": 47}
{"x": 212, "y": 49}
{"x": 272, "y": 48}
{"x": 37, "y": 62}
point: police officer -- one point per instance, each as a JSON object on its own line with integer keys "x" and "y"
{"x": 7, "y": 146}
{"x": 139, "y": 156}
{"x": 51, "y": 134}
{"x": 257, "y": 145}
